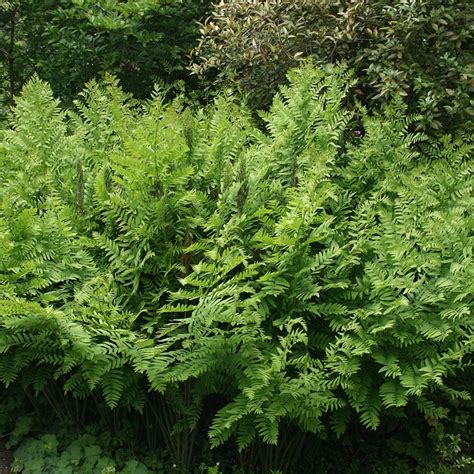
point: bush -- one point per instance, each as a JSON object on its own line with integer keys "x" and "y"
{"x": 417, "y": 49}
{"x": 306, "y": 277}
{"x": 70, "y": 42}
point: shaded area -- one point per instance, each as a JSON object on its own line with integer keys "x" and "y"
{"x": 6, "y": 458}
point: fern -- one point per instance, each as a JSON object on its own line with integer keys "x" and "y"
{"x": 304, "y": 275}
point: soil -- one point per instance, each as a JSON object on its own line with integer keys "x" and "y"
{"x": 6, "y": 458}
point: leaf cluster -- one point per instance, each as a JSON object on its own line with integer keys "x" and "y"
{"x": 69, "y": 42}
{"x": 416, "y": 49}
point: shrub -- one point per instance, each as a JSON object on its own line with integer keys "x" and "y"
{"x": 83, "y": 454}
{"x": 70, "y": 42}
{"x": 305, "y": 276}
{"x": 418, "y": 49}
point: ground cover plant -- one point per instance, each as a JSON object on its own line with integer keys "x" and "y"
{"x": 186, "y": 279}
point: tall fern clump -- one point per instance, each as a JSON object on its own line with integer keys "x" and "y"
{"x": 338, "y": 277}
{"x": 306, "y": 275}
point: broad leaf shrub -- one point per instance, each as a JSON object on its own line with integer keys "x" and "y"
{"x": 82, "y": 455}
{"x": 419, "y": 49}
{"x": 156, "y": 257}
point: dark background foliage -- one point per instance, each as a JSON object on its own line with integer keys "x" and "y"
{"x": 419, "y": 49}
{"x": 69, "y": 42}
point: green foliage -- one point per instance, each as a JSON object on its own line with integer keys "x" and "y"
{"x": 157, "y": 258}
{"x": 69, "y": 42}
{"x": 418, "y": 49}
{"x": 45, "y": 455}
{"x": 450, "y": 449}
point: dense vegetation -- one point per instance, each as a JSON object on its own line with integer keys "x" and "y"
{"x": 69, "y": 42}
{"x": 203, "y": 288}
{"x": 418, "y": 49}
